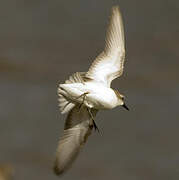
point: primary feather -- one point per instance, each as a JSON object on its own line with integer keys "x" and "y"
{"x": 109, "y": 64}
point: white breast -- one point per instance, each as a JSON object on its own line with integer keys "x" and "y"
{"x": 100, "y": 97}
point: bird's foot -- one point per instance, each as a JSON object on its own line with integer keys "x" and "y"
{"x": 94, "y": 124}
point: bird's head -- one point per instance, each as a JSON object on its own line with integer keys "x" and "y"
{"x": 121, "y": 99}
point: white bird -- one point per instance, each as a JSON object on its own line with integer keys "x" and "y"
{"x": 84, "y": 93}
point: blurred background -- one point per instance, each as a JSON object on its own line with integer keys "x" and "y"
{"x": 43, "y": 42}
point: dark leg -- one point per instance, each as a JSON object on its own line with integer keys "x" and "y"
{"x": 66, "y": 105}
{"x": 94, "y": 124}
{"x": 84, "y": 96}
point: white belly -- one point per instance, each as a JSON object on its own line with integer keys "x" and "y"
{"x": 98, "y": 97}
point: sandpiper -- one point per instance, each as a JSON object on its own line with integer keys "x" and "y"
{"x": 85, "y": 93}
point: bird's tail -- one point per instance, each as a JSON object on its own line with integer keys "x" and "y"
{"x": 65, "y": 104}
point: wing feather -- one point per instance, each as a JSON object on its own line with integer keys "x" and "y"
{"x": 109, "y": 64}
{"x": 78, "y": 127}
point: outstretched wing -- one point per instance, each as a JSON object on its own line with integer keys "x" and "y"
{"x": 109, "y": 64}
{"x": 78, "y": 127}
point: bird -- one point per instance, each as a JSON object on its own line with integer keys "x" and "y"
{"x": 85, "y": 93}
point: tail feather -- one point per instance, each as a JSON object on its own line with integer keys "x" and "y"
{"x": 64, "y": 103}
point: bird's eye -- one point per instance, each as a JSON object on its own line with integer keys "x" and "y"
{"x": 122, "y": 97}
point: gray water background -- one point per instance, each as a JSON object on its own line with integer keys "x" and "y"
{"x": 43, "y": 42}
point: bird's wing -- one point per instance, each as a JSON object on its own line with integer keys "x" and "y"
{"x": 78, "y": 127}
{"x": 109, "y": 64}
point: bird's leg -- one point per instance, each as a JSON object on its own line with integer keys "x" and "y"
{"x": 94, "y": 124}
{"x": 66, "y": 105}
{"x": 84, "y": 96}
{"x": 89, "y": 111}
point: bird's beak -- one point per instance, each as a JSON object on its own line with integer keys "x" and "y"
{"x": 124, "y": 105}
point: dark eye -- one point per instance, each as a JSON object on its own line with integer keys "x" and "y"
{"x": 122, "y": 97}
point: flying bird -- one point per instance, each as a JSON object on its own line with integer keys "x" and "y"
{"x": 85, "y": 93}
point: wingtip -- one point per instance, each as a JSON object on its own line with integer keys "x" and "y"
{"x": 116, "y": 11}
{"x": 57, "y": 170}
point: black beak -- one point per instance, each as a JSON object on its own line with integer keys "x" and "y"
{"x": 124, "y": 105}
